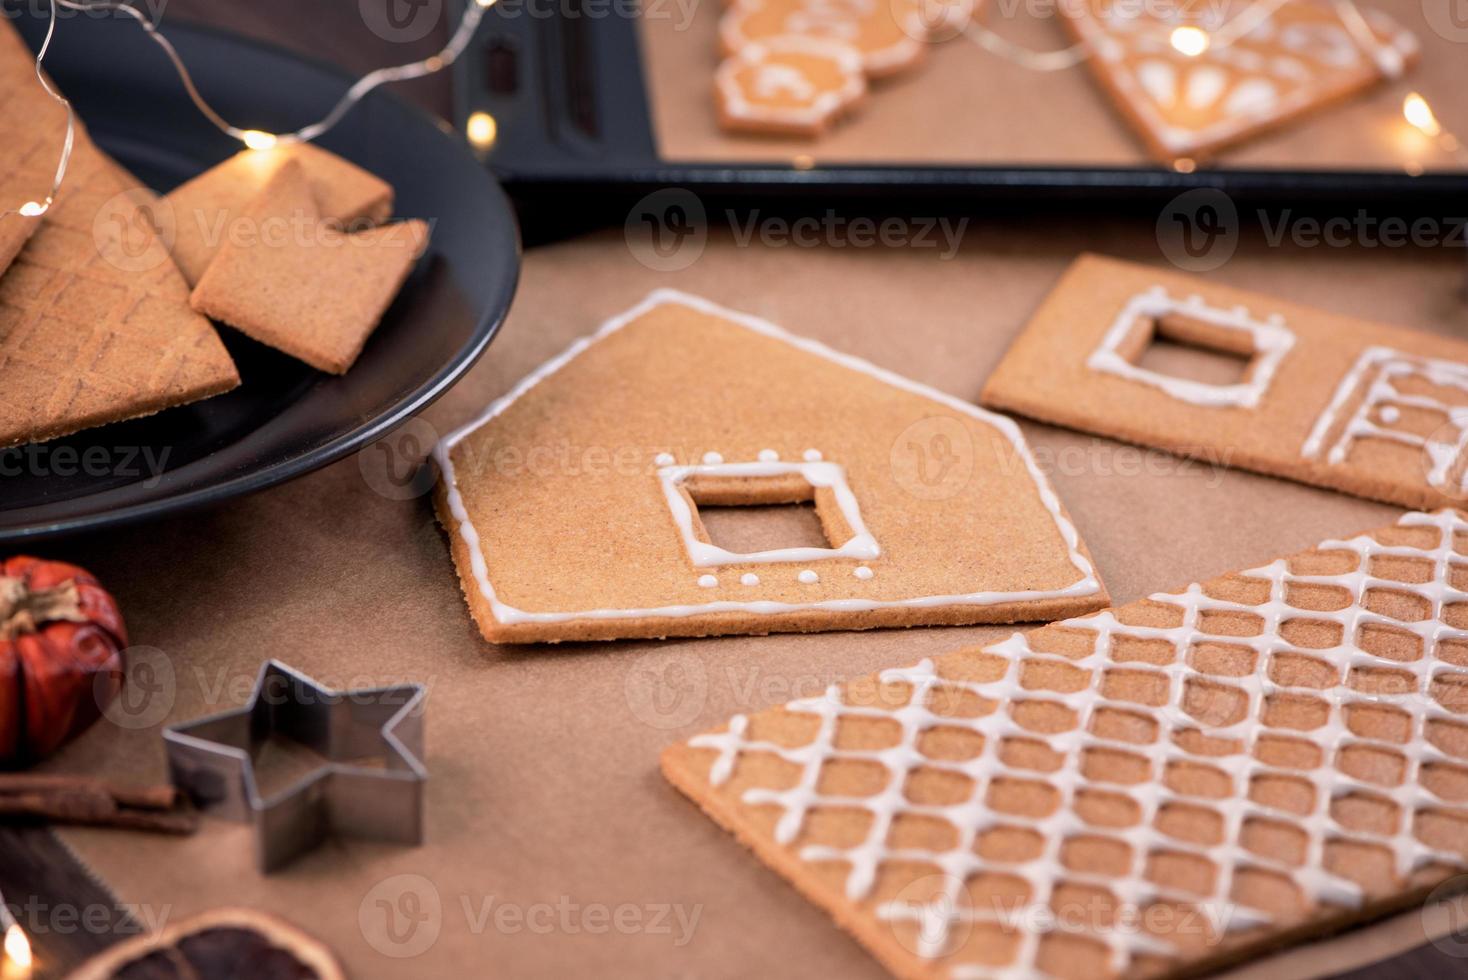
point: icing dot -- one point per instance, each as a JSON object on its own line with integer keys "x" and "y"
{"x": 812, "y": 455}
{"x": 809, "y": 577}
{"x": 664, "y": 459}
{"x": 863, "y": 573}
{"x": 1391, "y": 414}
{"x": 768, "y": 455}
{"x": 707, "y": 581}
{"x": 712, "y": 459}
{"x": 749, "y": 578}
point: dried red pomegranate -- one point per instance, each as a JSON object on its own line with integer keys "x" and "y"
{"x": 61, "y": 643}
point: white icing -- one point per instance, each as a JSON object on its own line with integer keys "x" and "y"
{"x": 749, "y": 578}
{"x": 815, "y": 111}
{"x": 1205, "y": 84}
{"x": 1271, "y": 341}
{"x": 1159, "y": 80}
{"x": 862, "y": 572}
{"x": 1086, "y": 583}
{"x": 708, "y": 581}
{"x": 712, "y": 459}
{"x": 854, "y": 23}
{"x": 665, "y": 459}
{"x": 812, "y": 456}
{"x": 827, "y": 476}
{"x": 808, "y": 577}
{"x": 776, "y": 81}
{"x": 972, "y": 816}
{"x": 1383, "y": 366}
{"x": 1253, "y": 95}
{"x": 768, "y": 455}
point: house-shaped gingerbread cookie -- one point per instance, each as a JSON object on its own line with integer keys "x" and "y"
{"x": 580, "y": 505}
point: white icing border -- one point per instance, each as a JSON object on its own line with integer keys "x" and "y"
{"x": 826, "y": 105}
{"x": 1272, "y": 341}
{"x": 829, "y": 476}
{"x": 506, "y": 614}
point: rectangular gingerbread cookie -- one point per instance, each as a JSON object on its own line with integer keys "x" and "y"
{"x": 576, "y": 505}
{"x": 1156, "y": 789}
{"x": 1329, "y": 400}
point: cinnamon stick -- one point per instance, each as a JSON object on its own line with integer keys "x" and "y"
{"x": 138, "y": 797}
{"x": 83, "y": 812}
{"x": 82, "y": 801}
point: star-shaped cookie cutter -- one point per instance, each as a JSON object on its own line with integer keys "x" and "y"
{"x": 212, "y": 760}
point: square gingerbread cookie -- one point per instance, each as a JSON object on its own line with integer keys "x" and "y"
{"x": 576, "y": 505}
{"x": 1193, "y": 79}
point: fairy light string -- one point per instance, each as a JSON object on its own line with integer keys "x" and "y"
{"x": 34, "y": 209}
{"x": 1190, "y": 40}
{"x": 253, "y": 138}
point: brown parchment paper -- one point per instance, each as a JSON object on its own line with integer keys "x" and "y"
{"x": 545, "y": 789}
{"x": 966, "y": 106}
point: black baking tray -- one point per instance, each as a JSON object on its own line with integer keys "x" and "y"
{"x": 565, "y": 81}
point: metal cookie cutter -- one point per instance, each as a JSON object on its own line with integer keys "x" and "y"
{"x": 371, "y": 784}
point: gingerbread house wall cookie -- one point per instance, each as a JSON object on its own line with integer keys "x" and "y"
{"x": 1371, "y": 410}
{"x": 575, "y": 503}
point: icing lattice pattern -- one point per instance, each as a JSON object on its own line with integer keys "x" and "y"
{"x": 1264, "y": 749}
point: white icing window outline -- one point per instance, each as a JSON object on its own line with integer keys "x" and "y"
{"x": 1375, "y": 369}
{"x": 1272, "y": 340}
{"x": 862, "y": 546}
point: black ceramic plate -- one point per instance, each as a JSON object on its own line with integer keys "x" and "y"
{"x": 285, "y": 419}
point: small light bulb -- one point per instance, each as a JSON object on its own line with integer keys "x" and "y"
{"x": 257, "y": 140}
{"x": 1420, "y": 114}
{"x": 1191, "y": 41}
{"x": 32, "y": 209}
{"x": 485, "y": 3}
{"x": 18, "y": 947}
{"x": 482, "y": 130}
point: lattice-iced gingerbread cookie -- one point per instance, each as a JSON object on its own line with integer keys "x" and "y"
{"x": 1189, "y": 97}
{"x": 1166, "y": 785}
{"x": 795, "y": 86}
{"x": 583, "y": 504}
{"x": 1375, "y": 411}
